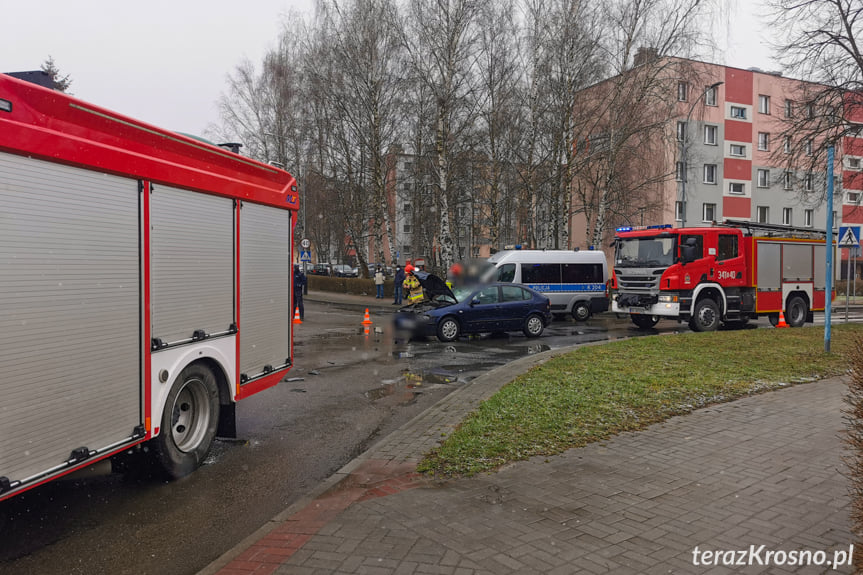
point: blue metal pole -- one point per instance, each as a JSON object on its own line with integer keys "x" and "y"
{"x": 828, "y": 305}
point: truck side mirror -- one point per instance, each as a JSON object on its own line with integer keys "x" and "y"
{"x": 688, "y": 251}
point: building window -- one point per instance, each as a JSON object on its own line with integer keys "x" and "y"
{"x": 682, "y": 89}
{"x": 786, "y": 216}
{"x": 763, "y": 178}
{"x": 764, "y": 141}
{"x": 853, "y": 198}
{"x": 678, "y": 211}
{"x": 807, "y": 182}
{"x": 736, "y": 189}
{"x": 681, "y": 172}
{"x": 786, "y": 145}
{"x": 788, "y": 180}
{"x": 406, "y": 228}
{"x": 406, "y": 208}
{"x": 681, "y": 131}
{"x": 808, "y": 147}
{"x": 810, "y": 110}
{"x": 710, "y": 96}
{"x": 763, "y": 104}
{"x": 738, "y": 150}
{"x": 854, "y": 163}
{"x": 738, "y": 113}
{"x": 763, "y": 214}
{"x": 789, "y": 109}
{"x": 808, "y": 218}
{"x": 708, "y": 213}
{"x": 709, "y": 173}
{"x": 710, "y": 133}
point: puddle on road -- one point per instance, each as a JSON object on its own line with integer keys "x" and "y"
{"x": 411, "y": 383}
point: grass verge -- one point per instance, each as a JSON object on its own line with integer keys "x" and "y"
{"x": 595, "y": 392}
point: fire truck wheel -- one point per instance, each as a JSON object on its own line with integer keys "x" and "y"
{"x": 796, "y": 313}
{"x": 447, "y": 329}
{"x": 706, "y": 316}
{"x": 580, "y": 311}
{"x": 189, "y": 421}
{"x": 644, "y": 321}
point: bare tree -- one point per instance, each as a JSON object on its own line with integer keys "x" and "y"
{"x": 821, "y": 45}
{"x": 62, "y": 82}
{"x": 440, "y": 37}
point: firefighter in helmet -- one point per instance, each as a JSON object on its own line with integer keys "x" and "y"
{"x": 412, "y": 286}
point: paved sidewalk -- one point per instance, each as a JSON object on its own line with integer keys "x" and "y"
{"x": 764, "y": 470}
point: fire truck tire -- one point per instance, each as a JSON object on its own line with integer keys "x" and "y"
{"x": 705, "y": 316}
{"x": 189, "y": 421}
{"x": 644, "y": 321}
{"x": 581, "y": 311}
{"x": 796, "y": 311}
{"x": 447, "y": 329}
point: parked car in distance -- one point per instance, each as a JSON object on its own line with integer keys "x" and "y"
{"x": 320, "y": 270}
{"x": 477, "y": 308}
{"x": 344, "y": 271}
{"x": 388, "y": 271}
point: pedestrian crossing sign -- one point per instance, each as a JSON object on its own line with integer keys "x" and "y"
{"x": 849, "y": 236}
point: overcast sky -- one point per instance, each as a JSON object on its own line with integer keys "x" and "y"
{"x": 165, "y": 62}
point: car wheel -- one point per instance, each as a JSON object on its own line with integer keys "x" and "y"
{"x": 644, "y": 321}
{"x": 533, "y": 326}
{"x": 580, "y": 311}
{"x": 447, "y": 329}
{"x": 189, "y": 421}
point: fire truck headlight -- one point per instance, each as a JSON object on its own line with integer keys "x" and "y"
{"x": 668, "y": 298}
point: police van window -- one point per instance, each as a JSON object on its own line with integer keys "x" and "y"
{"x": 727, "y": 247}
{"x": 540, "y": 273}
{"x": 506, "y": 273}
{"x": 582, "y": 274}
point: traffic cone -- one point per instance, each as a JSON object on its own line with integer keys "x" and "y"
{"x": 297, "y": 315}
{"x": 782, "y": 320}
{"x": 367, "y": 320}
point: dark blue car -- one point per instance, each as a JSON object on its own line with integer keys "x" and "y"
{"x": 480, "y": 308}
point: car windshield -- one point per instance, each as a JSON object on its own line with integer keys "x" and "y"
{"x": 461, "y": 293}
{"x": 644, "y": 252}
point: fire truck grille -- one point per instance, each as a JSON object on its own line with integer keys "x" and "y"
{"x": 638, "y": 283}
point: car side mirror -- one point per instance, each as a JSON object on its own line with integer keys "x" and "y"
{"x": 474, "y": 301}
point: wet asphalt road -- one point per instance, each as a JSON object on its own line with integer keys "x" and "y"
{"x": 346, "y": 391}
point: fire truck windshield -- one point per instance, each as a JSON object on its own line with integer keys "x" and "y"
{"x": 645, "y": 252}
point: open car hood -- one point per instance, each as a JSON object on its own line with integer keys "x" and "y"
{"x": 433, "y": 285}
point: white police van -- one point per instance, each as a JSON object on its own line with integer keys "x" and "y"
{"x": 574, "y": 281}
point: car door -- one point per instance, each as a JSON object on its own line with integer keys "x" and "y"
{"x": 513, "y": 308}
{"x": 483, "y": 310}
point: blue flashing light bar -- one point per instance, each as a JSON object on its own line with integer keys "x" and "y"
{"x": 625, "y": 229}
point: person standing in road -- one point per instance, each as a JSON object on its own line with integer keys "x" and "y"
{"x": 397, "y": 285}
{"x": 299, "y": 284}
{"x": 379, "y": 283}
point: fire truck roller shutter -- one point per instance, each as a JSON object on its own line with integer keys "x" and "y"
{"x": 266, "y": 278}
{"x": 192, "y": 245}
{"x": 69, "y": 313}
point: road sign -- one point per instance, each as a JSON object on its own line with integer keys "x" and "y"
{"x": 305, "y": 243}
{"x": 849, "y": 236}
{"x": 305, "y": 256}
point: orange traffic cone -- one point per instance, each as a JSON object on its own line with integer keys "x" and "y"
{"x": 782, "y": 320}
{"x": 297, "y": 315}
{"x": 367, "y": 320}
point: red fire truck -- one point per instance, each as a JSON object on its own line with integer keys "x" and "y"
{"x": 729, "y": 273}
{"x": 145, "y": 287}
